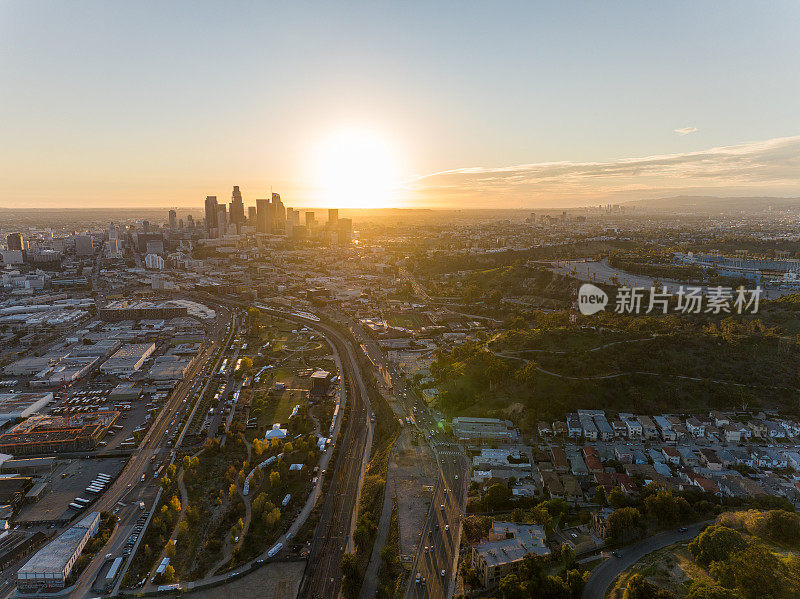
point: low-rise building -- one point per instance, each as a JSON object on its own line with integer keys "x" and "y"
{"x": 503, "y": 552}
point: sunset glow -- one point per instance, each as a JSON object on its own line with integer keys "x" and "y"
{"x": 355, "y": 168}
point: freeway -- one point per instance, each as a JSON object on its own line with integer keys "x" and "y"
{"x": 606, "y": 573}
{"x": 437, "y": 555}
{"x": 127, "y": 488}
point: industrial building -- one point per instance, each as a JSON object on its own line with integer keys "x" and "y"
{"x": 49, "y": 568}
{"x": 22, "y": 405}
{"x": 139, "y": 309}
{"x": 483, "y": 429}
{"x": 48, "y": 434}
{"x": 128, "y": 359}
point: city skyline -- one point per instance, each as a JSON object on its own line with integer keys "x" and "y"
{"x": 404, "y": 106}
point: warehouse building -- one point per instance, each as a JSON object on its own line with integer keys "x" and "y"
{"x": 128, "y": 359}
{"x": 49, "y": 568}
{"x": 22, "y": 405}
{"x": 483, "y": 429}
{"x": 139, "y": 310}
{"x": 49, "y": 434}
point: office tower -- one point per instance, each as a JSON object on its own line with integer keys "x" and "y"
{"x": 262, "y": 212}
{"x": 173, "y": 219}
{"x": 345, "y": 228}
{"x": 113, "y": 248}
{"x": 146, "y": 226}
{"x": 15, "y": 242}
{"x": 278, "y": 213}
{"x": 212, "y": 219}
{"x": 222, "y": 219}
{"x": 112, "y": 231}
{"x": 237, "y": 207}
{"x": 309, "y": 219}
{"x": 83, "y": 245}
{"x": 180, "y": 224}
{"x": 289, "y": 221}
{"x": 333, "y": 218}
{"x": 251, "y": 216}
{"x": 295, "y": 218}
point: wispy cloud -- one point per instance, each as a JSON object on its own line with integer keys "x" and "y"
{"x": 770, "y": 167}
{"x": 686, "y": 130}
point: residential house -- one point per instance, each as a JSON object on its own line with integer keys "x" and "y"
{"x": 695, "y": 427}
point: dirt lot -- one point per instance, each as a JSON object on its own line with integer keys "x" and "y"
{"x": 412, "y": 468}
{"x": 279, "y": 580}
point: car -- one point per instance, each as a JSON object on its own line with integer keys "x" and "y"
{"x": 683, "y": 529}
{"x": 443, "y": 573}
{"x": 446, "y": 527}
{"x": 419, "y": 577}
{"x": 616, "y": 554}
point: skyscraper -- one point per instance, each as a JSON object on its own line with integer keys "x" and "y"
{"x": 345, "y": 228}
{"x": 252, "y": 216}
{"x": 278, "y": 221}
{"x": 15, "y": 242}
{"x": 333, "y": 218}
{"x": 262, "y": 216}
{"x": 222, "y": 219}
{"x": 309, "y": 219}
{"x": 212, "y": 221}
{"x": 173, "y": 219}
{"x": 237, "y": 207}
{"x": 83, "y": 245}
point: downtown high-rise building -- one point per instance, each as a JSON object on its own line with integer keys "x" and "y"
{"x": 277, "y": 215}
{"x": 237, "y": 207}
{"x": 262, "y": 216}
{"x": 345, "y": 229}
{"x": 212, "y": 218}
{"x": 310, "y": 222}
{"x": 252, "y": 216}
{"x": 15, "y": 242}
{"x": 173, "y": 219}
{"x": 333, "y": 218}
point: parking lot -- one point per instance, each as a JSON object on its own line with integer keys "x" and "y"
{"x": 68, "y": 480}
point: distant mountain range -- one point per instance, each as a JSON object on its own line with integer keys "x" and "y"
{"x": 715, "y": 205}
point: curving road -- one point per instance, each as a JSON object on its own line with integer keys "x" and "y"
{"x": 607, "y": 572}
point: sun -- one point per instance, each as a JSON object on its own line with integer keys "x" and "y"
{"x": 356, "y": 168}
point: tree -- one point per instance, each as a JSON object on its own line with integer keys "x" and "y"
{"x": 351, "y": 576}
{"x": 274, "y": 479}
{"x": 666, "y": 509}
{"x": 171, "y": 471}
{"x": 169, "y": 549}
{"x": 624, "y": 523}
{"x": 273, "y": 517}
{"x": 705, "y": 590}
{"x": 716, "y": 543}
{"x": 616, "y": 498}
{"x": 510, "y": 587}
{"x": 246, "y": 364}
{"x": 168, "y": 575}
{"x": 567, "y": 556}
{"x": 288, "y": 447}
{"x": 756, "y": 572}
{"x": 599, "y": 495}
{"x": 639, "y": 588}
{"x": 497, "y": 496}
{"x": 175, "y": 504}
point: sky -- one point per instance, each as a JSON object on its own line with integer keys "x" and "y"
{"x": 404, "y": 103}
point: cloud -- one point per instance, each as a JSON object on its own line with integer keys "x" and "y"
{"x": 770, "y": 167}
{"x": 686, "y": 131}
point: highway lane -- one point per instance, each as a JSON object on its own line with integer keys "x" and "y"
{"x": 607, "y": 572}
{"x": 437, "y": 555}
{"x": 151, "y": 445}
